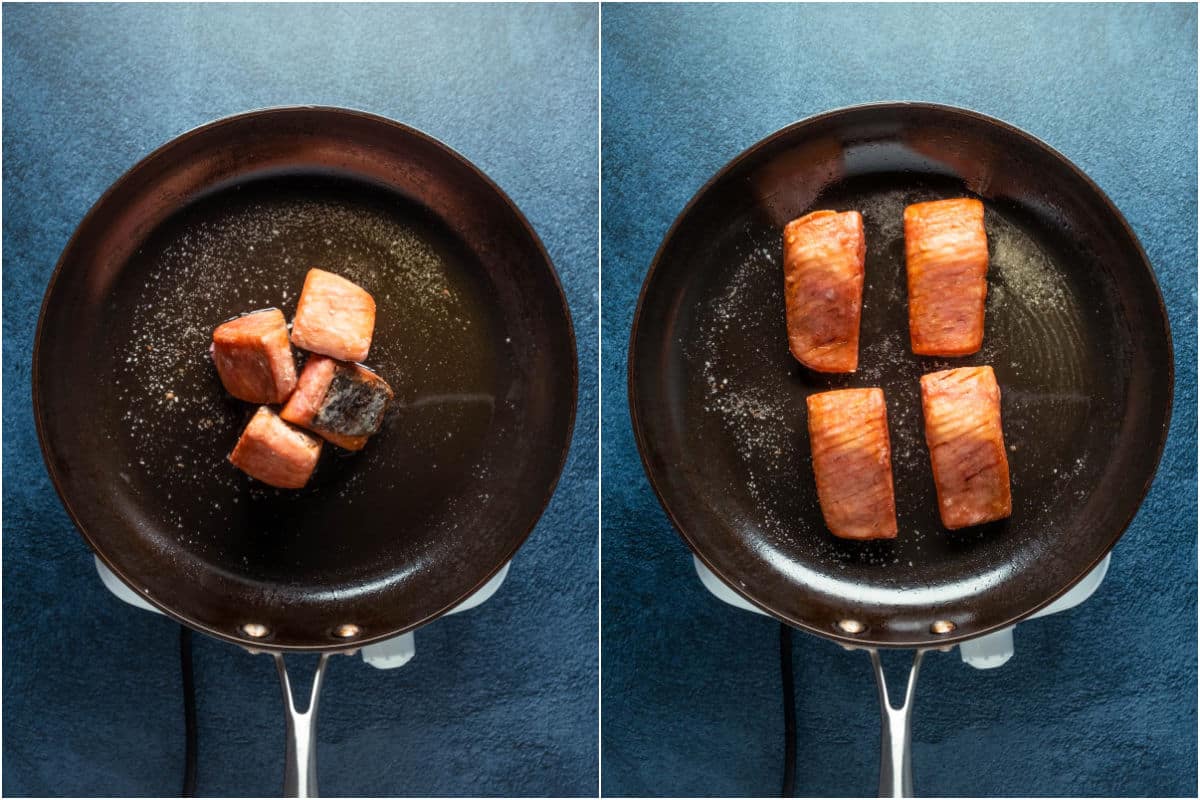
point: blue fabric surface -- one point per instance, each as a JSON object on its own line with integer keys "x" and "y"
{"x": 501, "y": 700}
{"x": 1097, "y": 701}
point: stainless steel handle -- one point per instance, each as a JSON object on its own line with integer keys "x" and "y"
{"x": 300, "y": 767}
{"x": 895, "y": 747}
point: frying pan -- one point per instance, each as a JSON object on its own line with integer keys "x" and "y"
{"x": 472, "y": 332}
{"x": 1075, "y": 329}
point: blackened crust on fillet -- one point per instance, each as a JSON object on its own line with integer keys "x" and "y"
{"x": 354, "y": 404}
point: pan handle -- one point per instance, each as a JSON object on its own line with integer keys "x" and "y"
{"x": 300, "y": 767}
{"x": 895, "y": 747}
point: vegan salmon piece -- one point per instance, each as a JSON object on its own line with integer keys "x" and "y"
{"x": 966, "y": 445}
{"x": 344, "y": 403}
{"x": 945, "y": 248}
{"x": 254, "y": 358}
{"x": 334, "y": 317}
{"x": 852, "y": 462}
{"x": 275, "y": 452}
{"x": 823, "y": 254}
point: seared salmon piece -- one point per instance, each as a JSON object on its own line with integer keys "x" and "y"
{"x": 253, "y": 357}
{"x": 823, "y": 254}
{"x": 945, "y": 248}
{"x": 334, "y": 317}
{"x": 966, "y": 445}
{"x": 344, "y": 403}
{"x": 275, "y": 452}
{"x": 852, "y": 462}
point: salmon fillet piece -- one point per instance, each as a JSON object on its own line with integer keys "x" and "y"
{"x": 275, "y": 452}
{"x": 852, "y": 462}
{"x": 254, "y": 358}
{"x": 945, "y": 248}
{"x": 823, "y": 255}
{"x": 343, "y": 403}
{"x": 334, "y": 317}
{"x": 966, "y": 445}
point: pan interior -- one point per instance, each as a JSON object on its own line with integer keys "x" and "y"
{"x": 720, "y": 402}
{"x": 744, "y": 394}
{"x": 437, "y": 341}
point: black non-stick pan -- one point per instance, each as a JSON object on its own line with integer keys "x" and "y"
{"x": 1075, "y": 330}
{"x": 472, "y": 332}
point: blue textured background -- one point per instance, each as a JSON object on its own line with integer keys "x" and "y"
{"x": 500, "y": 700}
{"x": 1098, "y": 701}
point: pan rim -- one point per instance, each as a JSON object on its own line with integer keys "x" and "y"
{"x": 642, "y": 439}
{"x": 206, "y": 129}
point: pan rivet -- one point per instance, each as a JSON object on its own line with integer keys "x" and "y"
{"x": 851, "y": 625}
{"x": 347, "y": 631}
{"x": 942, "y": 626}
{"x": 255, "y": 630}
